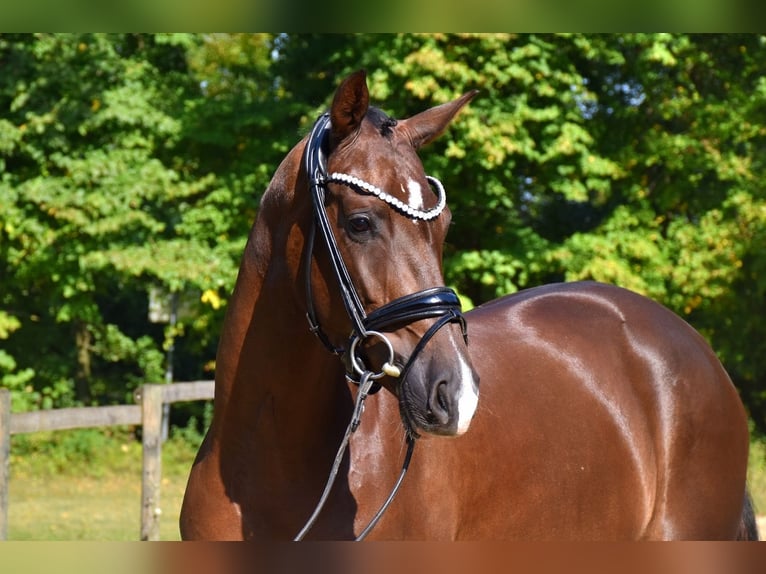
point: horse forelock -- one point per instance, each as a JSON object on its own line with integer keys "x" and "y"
{"x": 382, "y": 121}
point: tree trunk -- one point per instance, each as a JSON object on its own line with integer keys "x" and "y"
{"x": 83, "y": 340}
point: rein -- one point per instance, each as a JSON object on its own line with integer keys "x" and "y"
{"x": 441, "y": 303}
{"x": 364, "y": 390}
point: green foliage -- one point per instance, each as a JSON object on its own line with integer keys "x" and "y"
{"x": 756, "y": 475}
{"x": 10, "y": 376}
{"x": 135, "y": 162}
{"x": 192, "y": 433}
{"x": 101, "y": 203}
{"x": 77, "y": 452}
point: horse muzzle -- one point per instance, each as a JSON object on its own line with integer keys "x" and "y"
{"x": 439, "y": 396}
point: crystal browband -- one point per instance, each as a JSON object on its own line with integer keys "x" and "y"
{"x": 410, "y": 211}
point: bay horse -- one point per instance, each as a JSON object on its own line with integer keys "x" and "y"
{"x": 602, "y": 415}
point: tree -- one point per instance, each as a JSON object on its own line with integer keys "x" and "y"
{"x": 684, "y": 117}
{"x": 99, "y": 205}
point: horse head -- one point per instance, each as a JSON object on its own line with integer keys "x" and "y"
{"x": 379, "y": 276}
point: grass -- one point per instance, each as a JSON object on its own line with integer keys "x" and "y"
{"x": 90, "y": 495}
{"x": 86, "y": 485}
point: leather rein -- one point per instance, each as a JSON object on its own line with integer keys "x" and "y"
{"x": 440, "y": 303}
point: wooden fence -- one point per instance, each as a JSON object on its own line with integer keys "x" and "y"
{"x": 148, "y": 413}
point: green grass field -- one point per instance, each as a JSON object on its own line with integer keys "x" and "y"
{"x": 74, "y": 508}
{"x": 94, "y": 492}
{"x": 94, "y": 496}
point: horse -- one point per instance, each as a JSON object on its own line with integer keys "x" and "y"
{"x": 573, "y": 411}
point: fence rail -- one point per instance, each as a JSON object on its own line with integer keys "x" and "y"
{"x": 62, "y": 419}
{"x": 147, "y": 413}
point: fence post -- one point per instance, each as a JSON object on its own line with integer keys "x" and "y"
{"x": 5, "y": 456}
{"x": 151, "y": 409}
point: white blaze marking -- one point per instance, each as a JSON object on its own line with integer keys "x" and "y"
{"x": 468, "y": 400}
{"x": 468, "y": 393}
{"x": 416, "y": 195}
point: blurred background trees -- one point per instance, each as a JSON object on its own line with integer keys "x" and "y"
{"x": 131, "y": 167}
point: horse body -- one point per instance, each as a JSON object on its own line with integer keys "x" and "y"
{"x": 601, "y": 414}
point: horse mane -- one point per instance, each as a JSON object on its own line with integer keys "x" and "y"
{"x": 748, "y": 526}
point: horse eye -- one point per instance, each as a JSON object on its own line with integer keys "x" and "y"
{"x": 359, "y": 223}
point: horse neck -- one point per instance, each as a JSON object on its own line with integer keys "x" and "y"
{"x": 267, "y": 355}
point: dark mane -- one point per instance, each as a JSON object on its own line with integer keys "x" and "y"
{"x": 383, "y": 122}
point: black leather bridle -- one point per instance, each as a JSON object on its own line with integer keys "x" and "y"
{"x": 440, "y": 303}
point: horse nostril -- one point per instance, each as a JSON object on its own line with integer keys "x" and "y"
{"x": 441, "y": 396}
{"x": 440, "y": 403}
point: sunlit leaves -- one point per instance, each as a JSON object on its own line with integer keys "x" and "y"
{"x": 96, "y": 205}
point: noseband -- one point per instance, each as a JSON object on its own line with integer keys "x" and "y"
{"x": 440, "y": 303}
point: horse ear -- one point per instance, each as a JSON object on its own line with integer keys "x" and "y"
{"x": 349, "y": 106}
{"x": 426, "y": 126}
